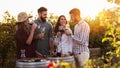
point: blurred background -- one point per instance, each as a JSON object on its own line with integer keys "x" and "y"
{"x": 103, "y": 16}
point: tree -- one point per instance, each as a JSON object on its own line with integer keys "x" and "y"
{"x": 114, "y": 1}
{"x": 7, "y": 42}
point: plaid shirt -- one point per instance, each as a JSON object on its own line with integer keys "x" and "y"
{"x": 81, "y": 37}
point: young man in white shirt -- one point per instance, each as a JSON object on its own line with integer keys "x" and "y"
{"x": 80, "y": 37}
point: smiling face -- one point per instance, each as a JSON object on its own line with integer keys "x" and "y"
{"x": 43, "y": 16}
{"x": 62, "y": 21}
{"x": 75, "y": 15}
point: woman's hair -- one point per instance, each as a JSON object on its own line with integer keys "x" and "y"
{"x": 21, "y": 25}
{"x": 56, "y": 29}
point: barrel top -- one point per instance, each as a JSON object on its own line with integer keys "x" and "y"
{"x": 60, "y": 58}
{"x": 30, "y": 60}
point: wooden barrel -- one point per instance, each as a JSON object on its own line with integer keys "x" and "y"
{"x": 23, "y": 63}
{"x": 70, "y": 60}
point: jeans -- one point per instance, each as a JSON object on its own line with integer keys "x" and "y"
{"x": 81, "y": 58}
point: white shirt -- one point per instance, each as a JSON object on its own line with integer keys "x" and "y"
{"x": 64, "y": 43}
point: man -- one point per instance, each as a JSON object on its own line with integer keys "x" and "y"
{"x": 43, "y": 39}
{"x": 80, "y": 37}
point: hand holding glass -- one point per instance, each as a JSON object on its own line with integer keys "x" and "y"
{"x": 43, "y": 31}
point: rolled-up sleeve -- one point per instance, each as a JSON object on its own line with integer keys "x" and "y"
{"x": 82, "y": 35}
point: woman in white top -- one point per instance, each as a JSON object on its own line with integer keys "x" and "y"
{"x": 63, "y": 40}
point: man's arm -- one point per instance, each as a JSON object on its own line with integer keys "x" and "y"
{"x": 83, "y": 35}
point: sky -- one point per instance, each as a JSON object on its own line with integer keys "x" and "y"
{"x": 88, "y": 8}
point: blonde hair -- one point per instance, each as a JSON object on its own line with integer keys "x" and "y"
{"x": 21, "y": 25}
{"x": 76, "y": 13}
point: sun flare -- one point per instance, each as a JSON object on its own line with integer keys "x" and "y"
{"x": 88, "y": 8}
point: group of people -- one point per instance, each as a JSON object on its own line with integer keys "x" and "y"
{"x": 39, "y": 39}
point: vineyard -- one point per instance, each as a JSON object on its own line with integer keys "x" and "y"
{"x": 105, "y": 34}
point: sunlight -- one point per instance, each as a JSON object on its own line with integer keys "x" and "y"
{"x": 89, "y": 8}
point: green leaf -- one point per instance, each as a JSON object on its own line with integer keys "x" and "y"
{"x": 118, "y": 42}
{"x": 107, "y": 39}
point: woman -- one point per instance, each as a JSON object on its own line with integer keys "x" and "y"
{"x": 63, "y": 40}
{"x": 24, "y": 36}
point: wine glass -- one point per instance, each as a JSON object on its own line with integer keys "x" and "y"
{"x": 60, "y": 28}
{"x": 43, "y": 31}
{"x": 31, "y": 22}
{"x": 39, "y": 26}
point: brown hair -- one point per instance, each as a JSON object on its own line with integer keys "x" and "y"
{"x": 20, "y": 25}
{"x": 41, "y": 9}
{"x": 56, "y": 29}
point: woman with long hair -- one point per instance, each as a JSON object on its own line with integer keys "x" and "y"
{"x": 24, "y": 36}
{"x": 63, "y": 39}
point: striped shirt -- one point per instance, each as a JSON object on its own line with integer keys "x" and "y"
{"x": 81, "y": 37}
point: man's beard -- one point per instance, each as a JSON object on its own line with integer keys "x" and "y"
{"x": 43, "y": 19}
